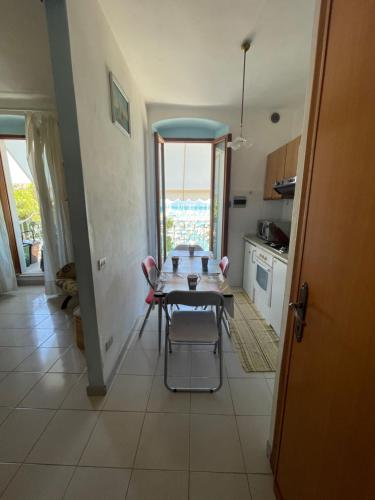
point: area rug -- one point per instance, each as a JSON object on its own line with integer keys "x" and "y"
{"x": 255, "y": 340}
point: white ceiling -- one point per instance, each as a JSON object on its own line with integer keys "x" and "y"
{"x": 188, "y": 51}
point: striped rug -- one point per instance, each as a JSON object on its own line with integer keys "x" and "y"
{"x": 255, "y": 341}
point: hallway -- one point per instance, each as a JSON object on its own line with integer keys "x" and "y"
{"x": 139, "y": 442}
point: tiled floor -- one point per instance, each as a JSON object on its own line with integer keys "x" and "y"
{"x": 140, "y": 442}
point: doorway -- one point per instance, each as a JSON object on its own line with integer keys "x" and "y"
{"x": 192, "y": 193}
{"x": 21, "y": 208}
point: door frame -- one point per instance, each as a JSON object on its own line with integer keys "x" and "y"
{"x": 227, "y": 174}
{"x": 5, "y": 203}
{"x": 313, "y": 121}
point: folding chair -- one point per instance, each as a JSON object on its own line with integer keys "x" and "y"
{"x": 194, "y": 327}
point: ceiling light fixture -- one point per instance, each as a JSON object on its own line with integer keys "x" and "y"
{"x": 240, "y": 140}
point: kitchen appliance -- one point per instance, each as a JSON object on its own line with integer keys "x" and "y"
{"x": 286, "y": 187}
{"x": 263, "y": 282}
{"x": 274, "y": 232}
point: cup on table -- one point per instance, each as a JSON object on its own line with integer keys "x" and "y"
{"x": 174, "y": 263}
{"x": 191, "y": 250}
{"x": 205, "y": 264}
{"x": 193, "y": 280}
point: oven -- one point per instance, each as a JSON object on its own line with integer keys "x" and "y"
{"x": 263, "y": 282}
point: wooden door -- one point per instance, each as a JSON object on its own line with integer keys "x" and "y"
{"x": 325, "y": 429}
{"x": 274, "y": 172}
{"x": 220, "y": 192}
{"x": 291, "y": 158}
{"x": 160, "y": 198}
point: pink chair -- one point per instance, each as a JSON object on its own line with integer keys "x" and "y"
{"x": 151, "y": 272}
{"x": 224, "y": 266}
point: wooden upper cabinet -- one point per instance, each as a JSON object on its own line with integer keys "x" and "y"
{"x": 292, "y": 157}
{"x": 274, "y": 172}
{"x": 281, "y": 164}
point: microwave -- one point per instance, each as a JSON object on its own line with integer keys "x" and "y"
{"x": 273, "y": 232}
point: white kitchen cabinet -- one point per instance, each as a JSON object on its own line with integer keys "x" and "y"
{"x": 249, "y": 269}
{"x": 277, "y": 294}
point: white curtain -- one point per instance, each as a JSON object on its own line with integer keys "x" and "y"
{"x": 8, "y": 280}
{"x": 46, "y": 165}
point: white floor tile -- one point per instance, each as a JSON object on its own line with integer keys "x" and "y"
{"x": 129, "y": 393}
{"x": 148, "y": 340}
{"x": 38, "y": 482}
{"x": 21, "y": 320}
{"x": 4, "y": 412}
{"x": 254, "y": 432}
{"x": 64, "y": 439}
{"x": 214, "y": 486}
{"x": 163, "y": 400}
{"x": 7, "y": 471}
{"x": 77, "y": 399}
{"x": 261, "y": 487}
{"x": 41, "y": 359}
{"x": 11, "y": 357}
{"x": 15, "y": 386}
{"x": 205, "y": 364}
{"x": 94, "y": 483}
{"x": 219, "y": 402}
{"x": 214, "y": 444}
{"x": 50, "y": 391}
{"x": 234, "y": 369}
{"x": 60, "y": 339}
{"x": 139, "y": 363}
{"x": 158, "y": 485}
{"x": 164, "y": 442}
{"x": 72, "y": 361}
{"x": 179, "y": 364}
{"x": 250, "y": 396}
{"x": 114, "y": 440}
{"x": 20, "y": 431}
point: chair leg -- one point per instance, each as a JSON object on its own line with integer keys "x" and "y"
{"x": 66, "y": 301}
{"x": 225, "y": 321}
{"x": 150, "y": 307}
{"x": 160, "y": 317}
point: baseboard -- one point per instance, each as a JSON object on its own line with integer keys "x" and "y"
{"x": 101, "y": 390}
{"x": 30, "y": 280}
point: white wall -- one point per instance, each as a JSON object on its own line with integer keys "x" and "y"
{"x": 26, "y": 74}
{"x": 248, "y": 166}
{"x": 114, "y": 176}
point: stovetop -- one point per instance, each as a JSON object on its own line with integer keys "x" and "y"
{"x": 279, "y": 247}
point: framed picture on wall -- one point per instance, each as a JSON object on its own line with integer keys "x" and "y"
{"x": 120, "y": 107}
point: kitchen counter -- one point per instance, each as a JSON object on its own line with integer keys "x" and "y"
{"x": 252, "y": 238}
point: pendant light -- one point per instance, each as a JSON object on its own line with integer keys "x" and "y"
{"x": 240, "y": 140}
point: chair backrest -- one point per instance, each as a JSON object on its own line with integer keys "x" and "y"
{"x": 194, "y": 298}
{"x": 224, "y": 266}
{"x": 150, "y": 270}
{"x": 197, "y": 248}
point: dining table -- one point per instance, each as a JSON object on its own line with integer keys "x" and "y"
{"x": 169, "y": 279}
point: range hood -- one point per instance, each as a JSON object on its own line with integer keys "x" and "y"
{"x": 286, "y": 187}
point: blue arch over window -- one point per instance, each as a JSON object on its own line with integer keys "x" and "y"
{"x": 190, "y": 128}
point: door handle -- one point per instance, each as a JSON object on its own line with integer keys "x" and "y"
{"x": 299, "y": 311}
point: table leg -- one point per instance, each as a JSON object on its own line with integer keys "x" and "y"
{"x": 160, "y": 316}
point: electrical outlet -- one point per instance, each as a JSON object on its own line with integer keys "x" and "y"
{"x": 101, "y": 263}
{"x": 108, "y": 344}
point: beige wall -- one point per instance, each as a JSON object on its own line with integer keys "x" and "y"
{"x": 114, "y": 176}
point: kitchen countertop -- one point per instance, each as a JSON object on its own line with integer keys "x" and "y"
{"x": 252, "y": 238}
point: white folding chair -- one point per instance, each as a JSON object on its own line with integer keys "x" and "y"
{"x": 194, "y": 327}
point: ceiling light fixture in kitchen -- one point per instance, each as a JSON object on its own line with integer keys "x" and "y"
{"x": 240, "y": 140}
